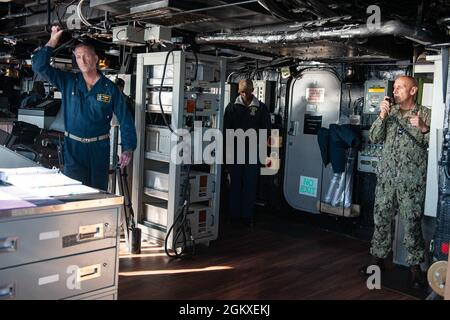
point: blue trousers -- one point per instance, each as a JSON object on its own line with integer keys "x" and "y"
{"x": 87, "y": 162}
{"x": 244, "y": 179}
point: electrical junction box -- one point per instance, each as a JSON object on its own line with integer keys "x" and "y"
{"x": 157, "y": 33}
{"x": 204, "y": 103}
{"x": 202, "y": 186}
{"x": 369, "y": 154}
{"x": 205, "y": 72}
{"x": 200, "y": 217}
{"x": 201, "y": 221}
{"x": 367, "y": 163}
{"x": 128, "y": 36}
{"x": 201, "y": 183}
{"x": 375, "y": 91}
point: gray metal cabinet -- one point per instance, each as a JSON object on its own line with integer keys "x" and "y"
{"x": 60, "y": 278}
{"x": 67, "y": 251}
{"x": 28, "y": 240}
{"x": 107, "y": 295}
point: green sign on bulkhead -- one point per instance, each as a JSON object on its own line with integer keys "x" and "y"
{"x": 308, "y": 186}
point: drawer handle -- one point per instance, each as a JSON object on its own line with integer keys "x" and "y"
{"x": 94, "y": 231}
{"x": 89, "y": 272}
{"x": 7, "y": 292}
{"x": 8, "y": 244}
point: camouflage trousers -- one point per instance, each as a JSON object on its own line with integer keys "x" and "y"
{"x": 409, "y": 200}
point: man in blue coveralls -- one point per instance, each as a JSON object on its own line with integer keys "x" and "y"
{"x": 89, "y": 100}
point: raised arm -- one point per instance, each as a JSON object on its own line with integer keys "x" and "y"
{"x": 41, "y": 61}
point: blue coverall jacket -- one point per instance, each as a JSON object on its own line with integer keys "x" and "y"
{"x": 87, "y": 114}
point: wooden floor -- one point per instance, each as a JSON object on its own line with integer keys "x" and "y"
{"x": 274, "y": 260}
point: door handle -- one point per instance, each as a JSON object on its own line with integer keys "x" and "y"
{"x": 293, "y": 128}
{"x": 8, "y": 291}
{"x": 90, "y": 232}
{"x": 89, "y": 272}
{"x": 8, "y": 244}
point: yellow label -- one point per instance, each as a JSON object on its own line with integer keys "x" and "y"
{"x": 376, "y": 89}
{"x": 103, "y": 98}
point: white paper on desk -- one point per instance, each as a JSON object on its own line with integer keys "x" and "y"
{"x": 36, "y": 177}
{"x": 63, "y": 190}
{"x": 43, "y": 183}
{"x": 24, "y": 194}
{"x": 9, "y": 201}
{"x": 5, "y": 172}
{"x": 26, "y": 170}
{"x": 36, "y": 180}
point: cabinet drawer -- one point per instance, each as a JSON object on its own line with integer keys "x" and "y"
{"x": 35, "y": 239}
{"x": 110, "y": 295}
{"x": 60, "y": 278}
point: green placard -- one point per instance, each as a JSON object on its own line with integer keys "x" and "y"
{"x": 308, "y": 186}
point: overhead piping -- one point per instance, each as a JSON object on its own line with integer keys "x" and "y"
{"x": 83, "y": 19}
{"x": 80, "y": 14}
{"x": 139, "y": 9}
{"x": 392, "y": 27}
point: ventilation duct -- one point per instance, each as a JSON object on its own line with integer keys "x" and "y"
{"x": 392, "y": 27}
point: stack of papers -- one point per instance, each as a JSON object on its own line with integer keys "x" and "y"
{"x": 44, "y": 182}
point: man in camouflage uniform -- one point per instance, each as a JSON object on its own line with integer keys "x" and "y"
{"x": 403, "y": 129}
